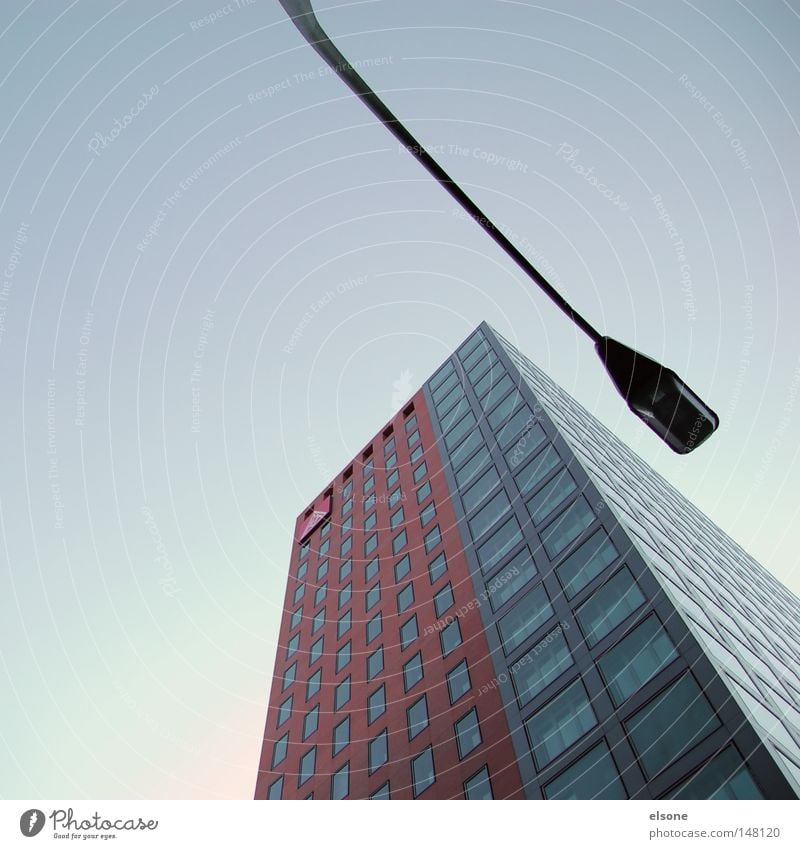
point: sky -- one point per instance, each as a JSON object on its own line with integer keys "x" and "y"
{"x": 221, "y": 276}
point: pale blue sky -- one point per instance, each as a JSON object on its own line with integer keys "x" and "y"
{"x": 172, "y": 397}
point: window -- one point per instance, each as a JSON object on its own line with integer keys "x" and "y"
{"x": 345, "y": 569}
{"x": 372, "y": 597}
{"x": 636, "y": 658}
{"x": 292, "y": 646}
{"x": 374, "y": 627}
{"x": 369, "y": 464}
{"x": 347, "y": 506}
{"x": 567, "y": 527}
{"x": 341, "y": 695}
{"x": 534, "y": 473}
{"x": 376, "y": 704}
{"x": 723, "y": 777}
{"x": 422, "y": 771}
{"x": 530, "y": 612}
{"x": 279, "y": 750}
{"x": 480, "y": 489}
{"x": 468, "y": 733}
{"x": 325, "y": 529}
{"x": 412, "y": 672}
{"x": 458, "y": 682}
{"x": 437, "y": 380}
{"x": 560, "y": 723}
{"x": 612, "y": 604}
{"x": 370, "y": 544}
{"x": 408, "y": 632}
{"x": 310, "y": 722}
{"x": 313, "y": 684}
{"x": 411, "y": 423}
{"x": 368, "y": 484}
{"x": 307, "y": 764}
{"x": 298, "y": 592}
{"x": 594, "y": 776}
{"x": 450, "y": 637}
{"x": 341, "y": 735}
{"x": 416, "y": 454}
{"x": 391, "y": 461}
{"x": 294, "y": 619}
{"x": 371, "y": 569}
{"x": 488, "y": 515}
{"x": 324, "y": 547}
{"x": 413, "y": 439}
{"x": 491, "y": 377}
{"x": 496, "y": 392}
{"x": 670, "y": 724}
{"x": 399, "y": 542}
{"x": 344, "y": 624}
{"x": 346, "y": 545}
{"x": 343, "y": 656}
{"x": 394, "y": 497}
{"x": 305, "y": 548}
{"x": 423, "y": 492}
{"x": 427, "y": 513}
{"x": 405, "y": 598}
{"x": 396, "y": 518}
{"x": 468, "y": 472}
{"x": 302, "y": 569}
{"x": 275, "y": 789}
{"x": 529, "y": 440}
{"x": 392, "y": 478}
{"x": 402, "y": 568}
{"x": 551, "y": 495}
{"x": 445, "y": 388}
{"x": 289, "y": 676}
{"x": 318, "y": 621}
{"x": 479, "y": 786}
{"x": 370, "y": 521}
{"x": 340, "y": 782}
{"x": 520, "y": 421}
{"x": 460, "y": 452}
{"x": 437, "y": 567}
{"x": 420, "y": 472}
{"x": 459, "y": 431}
{"x": 417, "y": 717}
{"x": 382, "y": 792}
{"x": 316, "y": 651}
{"x": 375, "y": 663}
{"x": 432, "y": 539}
{"x": 319, "y": 595}
{"x": 322, "y": 570}
{"x": 347, "y": 489}
{"x": 511, "y": 579}
{"x": 586, "y": 563}
{"x": 503, "y": 410}
{"x": 389, "y": 446}
{"x": 443, "y": 600}
{"x": 378, "y": 751}
{"x": 345, "y": 594}
{"x": 541, "y": 666}
{"x": 499, "y": 544}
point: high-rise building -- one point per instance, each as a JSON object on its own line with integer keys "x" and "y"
{"x": 498, "y": 599}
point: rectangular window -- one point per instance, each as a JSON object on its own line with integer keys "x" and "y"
{"x": 347, "y": 490}
{"x": 368, "y": 484}
{"x": 395, "y": 497}
{"x": 567, "y": 527}
{"x": 340, "y": 782}
{"x": 423, "y": 492}
{"x": 322, "y": 570}
{"x": 511, "y": 579}
{"x": 289, "y": 676}
{"x": 310, "y": 722}
{"x": 450, "y": 637}
{"x": 420, "y": 472}
{"x": 551, "y": 495}
{"x": 396, "y": 518}
{"x": 671, "y": 724}
{"x": 275, "y": 789}
{"x": 279, "y": 750}
{"x": 302, "y": 569}
{"x": 411, "y": 423}
{"x": 609, "y": 606}
{"x": 530, "y": 476}
{"x": 405, "y": 598}
{"x": 586, "y": 563}
{"x": 376, "y": 704}
{"x": 294, "y": 619}
{"x": 392, "y": 478}
{"x": 519, "y": 423}
{"x": 343, "y": 656}
{"x": 427, "y": 514}
{"x": 723, "y": 777}
{"x": 371, "y": 569}
{"x": 391, "y": 461}
{"x": 402, "y": 568}
{"x": 399, "y": 542}
{"x": 316, "y": 651}
{"x": 459, "y": 430}
{"x": 374, "y": 627}
{"x": 488, "y": 515}
{"x": 345, "y": 594}
{"x": 480, "y": 489}
{"x": 636, "y": 658}
{"x": 347, "y": 506}
{"x": 372, "y": 597}
{"x": 318, "y": 621}
{"x": 375, "y": 663}
{"x": 480, "y": 367}
{"x": 314, "y": 684}
{"x": 470, "y": 470}
{"x": 489, "y": 379}
{"x": 305, "y": 548}
{"x": 347, "y": 524}
{"x": 412, "y": 671}
{"x": 292, "y": 646}
{"x": 370, "y": 544}
{"x": 417, "y": 717}
{"x": 319, "y": 595}
{"x": 465, "y": 449}
{"x": 527, "y": 442}
{"x": 594, "y": 776}
{"x": 541, "y": 666}
{"x": 298, "y": 592}
{"x": 422, "y": 771}
{"x": 455, "y": 398}
{"x": 526, "y": 617}
{"x": 378, "y": 751}
{"x": 560, "y": 723}
{"x": 341, "y": 735}
{"x": 432, "y": 539}
{"x": 346, "y": 545}
{"x": 389, "y": 446}
{"x": 445, "y": 387}
{"x": 408, "y": 632}
{"x": 416, "y": 454}
{"x": 438, "y": 379}
{"x": 345, "y": 569}
{"x": 478, "y": 786}
{"x": 341, "y": 695}
{"x": 468, "y": 733}
{"x": 344, "y": 624}
{"x": 413, "y": 439}
{"x": 325, "y": 530}
{"x": 437, "y": 567}
{"x": 443, "y": 600}
{"x": 508, "y": 535}
{"x": 503, "y": 410}
{"x": 307, "y": 764}
{"x": 324, "y": 547}
{"x": 496, "y": 392}
{"x": 458, "y": 682}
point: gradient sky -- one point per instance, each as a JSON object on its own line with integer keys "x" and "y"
{"x": 221, "y": 276}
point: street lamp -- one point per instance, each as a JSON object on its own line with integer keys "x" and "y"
{"x": 654, "y": 393}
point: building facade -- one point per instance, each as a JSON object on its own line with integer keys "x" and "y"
{"x": 498, "y": 599}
